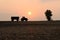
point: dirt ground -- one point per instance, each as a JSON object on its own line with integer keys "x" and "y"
{"x": 30, "y": 32}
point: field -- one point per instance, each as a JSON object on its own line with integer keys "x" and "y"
{"x": 35, "y": 30}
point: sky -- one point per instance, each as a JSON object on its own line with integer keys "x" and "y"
{"x": 21, "y": 8}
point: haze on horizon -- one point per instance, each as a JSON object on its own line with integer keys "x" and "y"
{"x": 36, "y": 8}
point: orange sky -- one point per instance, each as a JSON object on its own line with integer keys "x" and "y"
{"x": 21, "y": 8}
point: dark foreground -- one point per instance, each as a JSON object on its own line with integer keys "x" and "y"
{"x": 30, "y": 30}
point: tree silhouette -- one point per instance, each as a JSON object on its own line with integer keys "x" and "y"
{"x": 48, "y": 14}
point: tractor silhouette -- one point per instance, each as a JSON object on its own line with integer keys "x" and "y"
{"x": 24, "y": 19}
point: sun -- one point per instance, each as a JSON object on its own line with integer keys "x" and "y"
{"x": 29, "y": 13}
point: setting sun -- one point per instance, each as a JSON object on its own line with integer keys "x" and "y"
{"x": 29, "y": 13}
